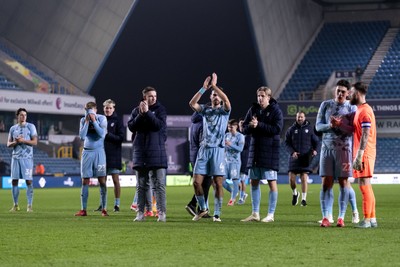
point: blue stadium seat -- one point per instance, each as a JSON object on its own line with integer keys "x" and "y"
{"x": 52, "y": 165}
{"x": 386, "y": 79}
{"x": 331, "y": 52}
{"x": 28, "y": 65}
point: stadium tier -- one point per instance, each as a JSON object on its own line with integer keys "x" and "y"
{"x": 56, "y": 88}
{"x": 52, "y": 165}
{"x": 338, "y": 47}
{"x": 387, "y": 160}
{"x": 6, "y": 83}
{"x": 386, "y": 82}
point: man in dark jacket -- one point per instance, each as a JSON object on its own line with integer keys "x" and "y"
{"x": 148, "y": 121}
{"x": 196, "y": 135}
{"x": 302, "y": 145}
{"x": 113, "y": 148}
{"x": 264, "y": 121}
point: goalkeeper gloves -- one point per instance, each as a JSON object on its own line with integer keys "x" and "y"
{"x": 357, "y": 163}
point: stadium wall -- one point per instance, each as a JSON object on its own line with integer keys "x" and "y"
{"x": 282, "y": 29}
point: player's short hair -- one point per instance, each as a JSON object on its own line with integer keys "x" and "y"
{"x": 301, "y": 112}
{"x": 109, "y": 102}
{"x": 148, "y": 89}
{"x": 233, "y": 122}
{"x": 265, "y": 89}
{"x": 90, "y": 105}
{"x": 344, "y": 83}
{"x": 19, "y": 111}
{"x": 361, "y": 87}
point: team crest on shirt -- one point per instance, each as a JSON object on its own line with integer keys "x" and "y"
{"x": 306, "y": 130}
{"x": 112, "y": 124}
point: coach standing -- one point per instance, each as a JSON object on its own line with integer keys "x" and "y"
{"x": 149, "y": 122}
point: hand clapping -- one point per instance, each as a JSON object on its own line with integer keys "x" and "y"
{"x": 143, "y": 107}
{"x": 336, "y": 121}
{"x": 254, "y": 122}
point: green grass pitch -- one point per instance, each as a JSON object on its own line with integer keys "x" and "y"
{"x": 52, "y": 236}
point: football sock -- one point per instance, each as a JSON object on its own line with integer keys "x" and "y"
{"x": 272, "y": 200}
{"x": 352, "y": 199}
{"x": 241, "y": 193}
{"x": 103, "y": 195}
{"x": 116, "y": 202}
{"x": 373, "y": 215}
{"x": 330, "y": 202}
{"x": 304, "y": 196}
{"x": 326, "y": 199}
{"x": 84, "y": 196}
{"x": 201, "y": 202}
{"x": 227, "y": 186}
{"x": 15, "y": 194}
{"x": 134, "y": 200}
{"x": 255, "y": 198}
{"x": 323, "y": 202}
{"x": 220, "y": 201}
{"x": 29, "y": 194}
{"x": 343, "y": 200}
{"x": 217, "y": 206}
{"x": 294, "y": 191}
{"x": 235, "y": 189}
{"x": 372, "y": 201}
{"x": 206, "y": 201}
{"x": 366, "y": 201}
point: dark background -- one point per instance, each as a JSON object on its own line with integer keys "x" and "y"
{"x": 173, "y": 45}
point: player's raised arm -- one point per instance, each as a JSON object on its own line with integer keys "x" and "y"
{"x": 193, "y": 103}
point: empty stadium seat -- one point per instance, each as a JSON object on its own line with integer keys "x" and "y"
{"x": 331, "y": 51}
{"x": 52, "y": 165}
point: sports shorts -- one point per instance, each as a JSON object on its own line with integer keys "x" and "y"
{"x": 232, "y": 171}
{"x": 210, "y": 161}
{"x": 93, "y": 163}
{"x": 21, "y": 169}
{"x": 262, "y": 174}
{"x": 335, "y": 162}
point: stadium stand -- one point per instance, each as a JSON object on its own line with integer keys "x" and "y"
{"x": 385, "y": 83}
{"x": 52, "y": 165}
{"x": 338, "y": 47}
{"x": 56, "y": 87}
{"x": 386, "y": 159}
{"x": 6, "y": 83}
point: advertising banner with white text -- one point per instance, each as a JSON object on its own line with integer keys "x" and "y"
{"x": 43, "y": 103}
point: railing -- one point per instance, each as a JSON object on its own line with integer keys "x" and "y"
{"x": 64, "y": 152}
